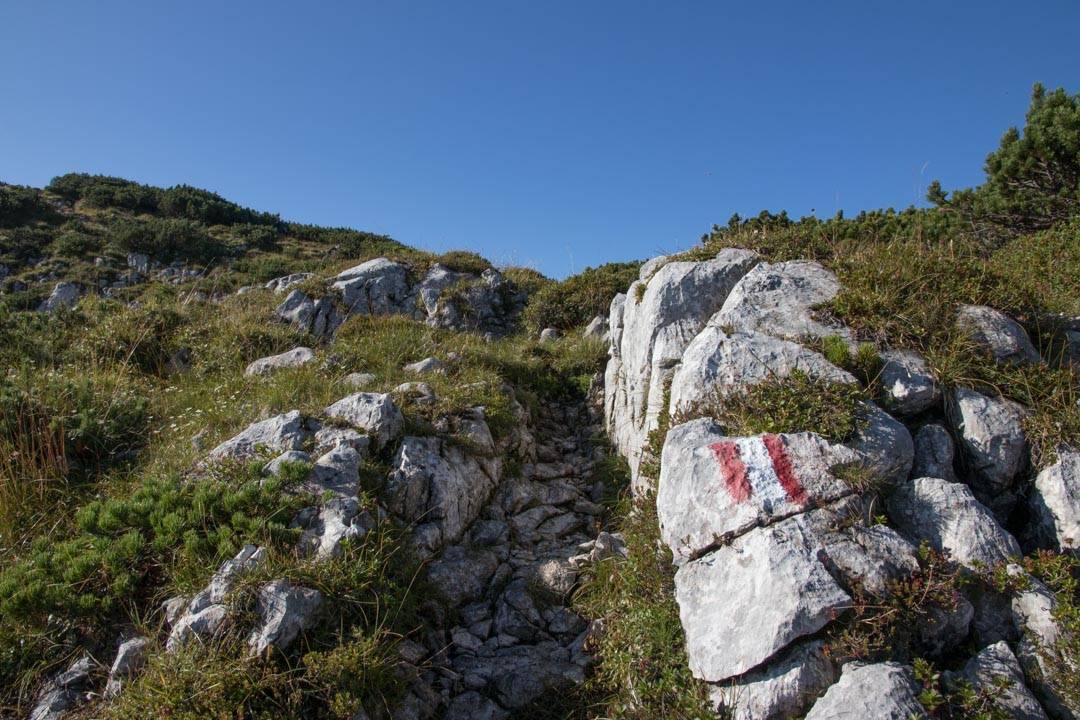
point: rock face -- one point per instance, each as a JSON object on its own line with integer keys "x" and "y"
{"x": 907, "y": 384}
{"x": 63, "y": 295}
{"x": 949, "y": 517}
{"x": 729, "y": 629}
{"x": 279, "y": 434}
{"x": 285, "y": 611}
{"x": 294, "y": 358}
{"x": 778, "y": 299}
{"x": 660, "y": 316}
{"x": 999, "y": 334}
{"x": 884, "y": 691}
{"x": 992, "y": 437}
{"x": 1055, "y": 504}
{"x": 373, "y": 413}
{"x": 713, "y": 487}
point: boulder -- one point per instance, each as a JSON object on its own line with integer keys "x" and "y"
{"x": 995, "y": 670}
{"x": 874, "y": 557}
{"x": 999, "y": 334}
{"x": 934, "y": 453}
{"x": 285, "y": 610}
{"x": 64, "y": 691}
{"x": 1049, "y": 674}
{"x": 522, "y": 674}
{"x": 1055, "y": 504}
{"x": 472, "y": 705}
{"x": 717, "y": 364}
{"x": 461, "y": 575}
{"x": 907, "y": 385}
{"x": 63, "y": 295}
{"x": 374, "y": 413}
{"x": 883, "y": 444}
{"x": 882, "y": 691}
{"x": 991, "y": 434}
{"x": 337, "y": 471}
{"x": 339, "y": 520}
{"x": 359, "y": 380}
{"x": 778, "y": 299}
{"x": 427, "y": 365}
{"x": 276, "y": 434}
{"x": 729, "y": 628}
{"x": 549, "y": 335}
{"x": 138, "y": 262}
{"x": 713, "y": 487}
{"x": 375, "y": 287}
{"x": 281, "y": 284}
{"x": 297, "y": 357}
{"x": 130, "y": 657}
{"x": 597, "y": 328}
{"x": 659, "y": 319}
{"x": 949, "y": 517}
{"x": 651, "y": 266}
{"x": 417, "y": 392}
{"x": 275, "y": 466}
{"x": 440, "y": 487}
{"x": 205, "y": 615}
{"x": 785, "y": 688}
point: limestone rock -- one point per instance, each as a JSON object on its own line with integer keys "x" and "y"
{"x": 778, "y": 300}
{"x": 1055, "y": 504}
{"x": 285, "y": 282}
{"x": 1048, "y": 672}
{"x": 949, "y": 517}
{"x": 375, "y": 287}
{"x": 374, "y": 413}
{"x": 63, "y": 295}
{"x": 427, "y": 365}
{"x": 340, "y": 519}
{"x": 874, "y": 556}
{"x": 277, "y": 434}
{"x": 297, "y": 357}
{"x": 882, "y": 691}
{"x": 63, "y": 692}
{"x": 336, "y": 471}
{"x": 883, "y": 444}
{"x": 275, "y": 466}
{"x": 129, "y": 659}
{"x": 783, "y": 689}
{"x": 992, "y": 436}
{"x": 994, "y": 669}
{"x": 1002, "y": 336}
{"x": 907, "y": 384}
{"x": 597, "y": 328}
{"x": 359, "y": 380}
{"x": 934, "y": 453}
{"x": 461, "y": 575}
{"x": 285, "y": 610}
{"x": 549, "y": 335}
{"x": 713, "y": 487}
{"x": 729, "y": 627}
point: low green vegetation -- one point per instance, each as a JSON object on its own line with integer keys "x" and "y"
{"x": 579, "y": 298}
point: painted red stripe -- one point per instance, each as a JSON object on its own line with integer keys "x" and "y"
{"x": 784, "y": 470}
{"x": 733, "y": 469}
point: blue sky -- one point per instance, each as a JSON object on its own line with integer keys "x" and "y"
{"x": 554, "y": 134}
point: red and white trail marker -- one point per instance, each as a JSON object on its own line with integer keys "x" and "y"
{"x": 758, "y": 467}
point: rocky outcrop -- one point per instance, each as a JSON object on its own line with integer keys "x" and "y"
{"x": 1001, "y": 336}
{"x": 63, "y": 295}
{"x": 280, "y": 433}
{"x": 297, "y": 357}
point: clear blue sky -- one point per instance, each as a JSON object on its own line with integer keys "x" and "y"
{"x": 553, "y": 134}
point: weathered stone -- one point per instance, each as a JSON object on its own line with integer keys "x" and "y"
{"x": 63, "y": 692}
{"x": 417, "y": 392}
{"x": 297, "y": 309}
{"x": 297, "y": 357}
{"x": 203, "y": 625}
{"x": 883, "y": 691}
{"x": 275, "y": 466}
{"x": 276, "y": 434}
{"x": 226, "y": 577}
{"x": 907, "y": 386}
{"x": 359, "y": 380}
{"x": 943, "y": 629}
{"x": 130, "y": 657}
{"x": 783, "y": 689}
{"x": 285, "y": 610}
{"x": 472, "y": 705}
{"x": 63, "y": 295}
{"x": 427, "y": 365}
{"x": 949, "y": 517}
{"x": 729, "y": 628}
{"x": 556, "y": 577}
{"x": 374, "y": 413}
{"x": 995, "y": 671}
{"x": 461, "y": 575}
{"x": 1048, "y": 672}
{"x": 340, "y": 519}
{"x": 329, "y": 437}
{"x": 778, "y": 300}
{"x": 717, "y": 364}
{"x": 521, "y": 674}
{"x": 874, "y": 557}
{"x": 549, "y": 335}
{"x": 1002, "y": 336}
{"x": 934, "y": 453}
{"x": 337, "y": 471}
{"x": 713, "y": 487}
{"x": 376, "y": 287}
{"x": 884, "y": 445}
{"x": 597, "y": 328}
{"x": 282, "y": 284}
{"x": 1055, "y": 504}
{"x": 992, "y": 436}
{"x": 139, "y": 262}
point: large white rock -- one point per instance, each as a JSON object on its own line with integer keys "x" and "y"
{"x": 374, "y": 413}
{"x": 285, "y": 610}
{"x": 884, "y": 444}
{"x": 907, "y": 384}
{"x": 337, "y": 471}
{"x": 660, "y": 317}
{"x": 1002, "y": 336}
{"x": 778, "y": 299}
{"x": 949, "y": 517}
{"x": 746, "y": 601}
{"x": 991, "y": 434}
{"x": 883, "y": 691}
{"x": 63, "y": 295}
{"x": 340, "y": 519}
{"x": 297, "y": 357}
{"x": 995, "y": 671}
{"x": 277, "y": 434}
{"x": 783, "y": 689}
{"x": 717, "y": 364}
{"x": 1055, "y": 504}
{"x": 874, "y": 556}
{"x": 439, "y": 487}
{"x": 713, "y": 487}
{"x": 376, "y": 287}
{"x": 130, "y": 657}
